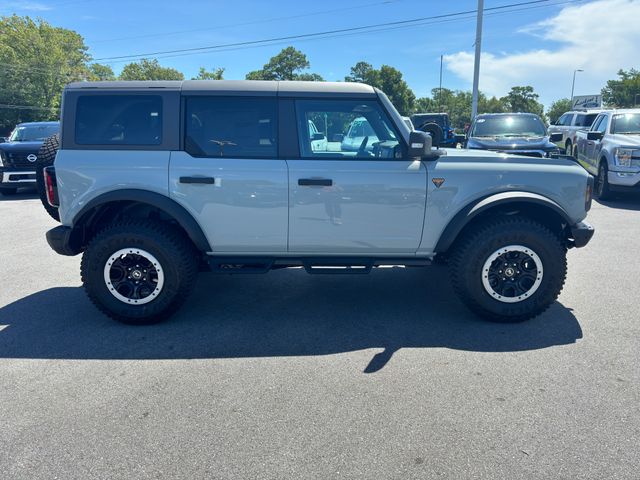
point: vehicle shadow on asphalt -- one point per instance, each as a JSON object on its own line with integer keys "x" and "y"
{"x": 22, "y": 194}
{"x": 283, "y": 313}
{"x": 629, "y": 201}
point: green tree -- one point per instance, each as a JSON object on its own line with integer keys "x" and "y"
{"x": 557, "y": 108}
{"x": 523, "y": 99}
{"x": 389, "y": 80}
{"x": 98, "y": 72}
{"x": 36, "y": 61}
{"x": 286, "y": 65}
{"x": 147, "y": 69}
{"x": 624, "y": 92}
{"x": 215, "y": 74}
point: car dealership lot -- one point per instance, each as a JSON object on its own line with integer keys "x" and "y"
{"x": 287, "y": 375}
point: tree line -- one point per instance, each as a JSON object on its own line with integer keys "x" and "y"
{"x": 37, "y": 59}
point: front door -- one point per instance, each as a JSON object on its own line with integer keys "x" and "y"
{"x": 360, "y": 195}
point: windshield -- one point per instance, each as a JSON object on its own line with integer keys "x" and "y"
{"x": 626, "y": 123}
{"x": 33, "y": 133}
{"x": 508, "y": 126}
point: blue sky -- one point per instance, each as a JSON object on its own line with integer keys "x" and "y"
{"x": 532, "y": 46}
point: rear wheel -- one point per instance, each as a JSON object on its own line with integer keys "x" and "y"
{"x": 46, "y": 156}
{"x": 602, "y": 190}
{"x": 139, "y": 272}
{"x": 8, "y": 191}
{"x": 509, "y": 269}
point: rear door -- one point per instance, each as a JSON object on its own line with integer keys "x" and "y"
{"x": 367, "y": 199}
{"x": 228, "y": 174}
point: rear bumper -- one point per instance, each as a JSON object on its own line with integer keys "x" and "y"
{"x": 17, "y": 177}
{"x": 581, "y": 233}
{"x": 64, "y": 240}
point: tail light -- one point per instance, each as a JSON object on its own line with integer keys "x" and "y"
{"x": 588, "y": 195}
{"x": 51, "y": 186}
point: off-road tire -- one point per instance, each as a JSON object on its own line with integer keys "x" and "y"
{"x": 177, "y": 257}
{"x": 46, "y": 156}
{"x": 568, "y": 148}
{"x": 472, "y": 251}
{"x": 8, "y": 191}
{"x": 433, "y": 129}
{"x": 602, "y": 190}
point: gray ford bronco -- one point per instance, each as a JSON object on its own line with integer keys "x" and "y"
{"x": 155, "y": 181}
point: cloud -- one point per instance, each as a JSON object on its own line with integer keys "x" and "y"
{"x": 600, "y": 37}
{"x": 26, "y": 6}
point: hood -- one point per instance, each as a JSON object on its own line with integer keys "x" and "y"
{"x": 511, "y": 143}
{"x": 625, "y": 140}
{"x": 21, "y": 147}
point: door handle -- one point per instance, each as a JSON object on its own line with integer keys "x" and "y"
{"x": 321, "y": 182}
{"x": 202, "y": 180}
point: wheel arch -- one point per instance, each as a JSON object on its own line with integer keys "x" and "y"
{"x": 528, "y": 204}
{"x": 136, "y": 203}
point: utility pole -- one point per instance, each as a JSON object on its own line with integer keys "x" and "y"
{"x": 440, "y": 95}
{"x": 476, "y": 63}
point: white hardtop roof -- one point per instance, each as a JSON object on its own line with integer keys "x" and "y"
{"x": 257, "y": 86}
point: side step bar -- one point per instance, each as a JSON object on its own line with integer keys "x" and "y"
{"x": 312, "y": 265}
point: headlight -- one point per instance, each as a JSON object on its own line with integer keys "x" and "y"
{"x": 627, "y": 157}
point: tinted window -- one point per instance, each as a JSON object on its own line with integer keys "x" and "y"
{"x": 231, "y": 127}
{"x": 568, "y": 119}
{"x": 562, "y": 120}
{"x": 508, "y": 126}
{"x": 119, "y": 120}
{"x": 585, "y": 120}
{"x": 353, "y": 129}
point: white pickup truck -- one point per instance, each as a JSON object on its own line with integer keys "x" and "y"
{"x": 610, "y": 150}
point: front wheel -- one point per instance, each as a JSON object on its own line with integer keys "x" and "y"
{"x": 509, "y": 269}
{"x": 139, "y": 272}
{"x": 603, "y": 192}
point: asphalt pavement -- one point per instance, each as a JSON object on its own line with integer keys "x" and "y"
{"x": 287, "y": 375}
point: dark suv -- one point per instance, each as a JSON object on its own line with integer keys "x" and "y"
{"x": 438, "y": 125}
{"x": 513, "y": 133}
{"x": 18, "y": 155}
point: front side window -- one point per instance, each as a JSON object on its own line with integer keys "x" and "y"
{"x": 602, "y": 126}
{"x": 119, "y": 120}
{"x": 240, "y": 127}
{"x": 562, "y": 120}
{"x": 353, "y": 129}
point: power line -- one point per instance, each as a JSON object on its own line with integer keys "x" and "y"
{"x": 315, "y": 34}
{"x": 253, "y": 22}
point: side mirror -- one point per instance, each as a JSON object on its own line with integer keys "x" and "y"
{"x": 555, "y": 137}
{"x": 419, "y": 144}
{"x": 338, "y": 137}
{"x": 595, "y": 135}
{"x": 317, "y": 136}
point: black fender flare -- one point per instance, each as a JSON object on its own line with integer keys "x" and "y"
{"x": 475, "y": 208}
{"x": 157, "y": 200}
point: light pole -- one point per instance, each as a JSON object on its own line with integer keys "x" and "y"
{"x": 476, "y": 62}
{"x": 573, "y": 84}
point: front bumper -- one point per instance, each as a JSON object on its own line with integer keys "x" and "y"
{"x": 17, "y": 177}
{"x": 581, "y": 233}
{"x": 624, "y": 180}
{"x": 64, "y": 240}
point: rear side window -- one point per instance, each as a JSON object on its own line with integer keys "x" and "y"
{"x": 119, "y": 120}
{"x": 586, "y": 120}
{"x": 240, "y": 127}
